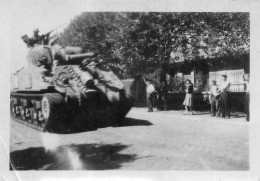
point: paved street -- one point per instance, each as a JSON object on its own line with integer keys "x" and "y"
{"x": 147, "y": 141}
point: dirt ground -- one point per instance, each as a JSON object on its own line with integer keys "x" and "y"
{"x": 166, "y": 140}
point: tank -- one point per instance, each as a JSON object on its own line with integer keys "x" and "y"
{"x": 62, "y": 89}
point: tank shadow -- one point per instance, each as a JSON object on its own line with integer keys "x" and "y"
{"x": 134, "y": 122}
{"x": 103, "y": 124}
{"x": 71, "y": 157}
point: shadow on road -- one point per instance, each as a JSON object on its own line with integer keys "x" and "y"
{"x": 69, "y": 157}
{"x": 103, "y": 124}
{"x": 134, "y": 122}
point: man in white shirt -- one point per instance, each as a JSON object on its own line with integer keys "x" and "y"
{"x": 150, "y": 87}
{"x": 224, "y": 97}
{"x": 149, "y": 95}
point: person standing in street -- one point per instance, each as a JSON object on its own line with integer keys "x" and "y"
{"x": 247, "y": 96}
{"x": 224, "y": 97}
{"x": 188, "y": 101}
{"x": 150, "y": 90}
{"x": 214, "y": 98}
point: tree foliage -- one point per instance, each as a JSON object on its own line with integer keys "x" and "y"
{"x": 137, "y": 42}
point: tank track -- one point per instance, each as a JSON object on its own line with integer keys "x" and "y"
{"x": 21, "y": 102}
{"x": 25, "y": 123}
{"x": 28, "y": 109}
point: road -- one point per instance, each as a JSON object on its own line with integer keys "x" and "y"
{"x": 167, "y": 140}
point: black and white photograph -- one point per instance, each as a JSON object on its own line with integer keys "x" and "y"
{"x": 143, "y": 90}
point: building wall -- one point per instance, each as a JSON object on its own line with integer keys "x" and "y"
{"x": 234, "y": 76}
{"x": 202, "y": 82}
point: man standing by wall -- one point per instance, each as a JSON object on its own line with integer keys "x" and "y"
{"x": 224, "y": 97}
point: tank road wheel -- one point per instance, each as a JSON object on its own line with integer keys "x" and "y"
{"x": 52, "y": 106}
{"x": 35, "y": 117}
{"x": 31, "y": 117}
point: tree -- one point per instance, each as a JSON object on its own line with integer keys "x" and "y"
{"x": 136, "y": 43}
{"x": 162, "y": 38}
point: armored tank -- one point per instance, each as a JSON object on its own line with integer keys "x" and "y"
{"x": 63, "y": 88}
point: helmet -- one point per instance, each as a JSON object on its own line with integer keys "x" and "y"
{"x": 36, "y": 30}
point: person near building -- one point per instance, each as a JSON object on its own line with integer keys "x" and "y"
{"x": 188, "y": 101}
{"x": 150, "y": 90}
{"x": 247, "y": 96}
{"x": 224, "y": 97}
{"x": 214, "y": 101}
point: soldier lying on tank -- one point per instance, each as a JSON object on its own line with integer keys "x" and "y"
{"x": 62, "y": 52}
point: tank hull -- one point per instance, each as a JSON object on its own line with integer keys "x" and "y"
{"x": 64, "y": 109}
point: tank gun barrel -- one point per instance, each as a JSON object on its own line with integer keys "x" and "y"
{"x": 79, "y": 56}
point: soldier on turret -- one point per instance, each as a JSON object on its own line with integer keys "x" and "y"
{"x": 37, "y": 39}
